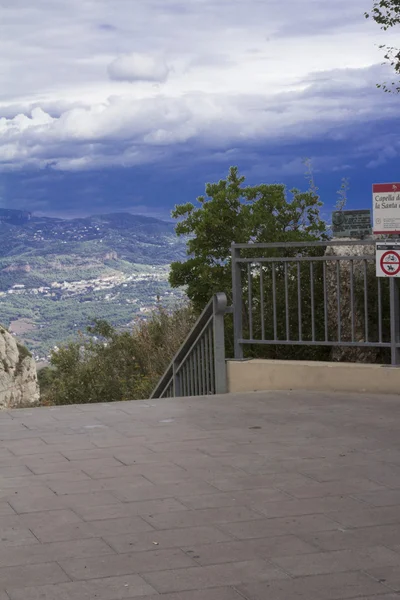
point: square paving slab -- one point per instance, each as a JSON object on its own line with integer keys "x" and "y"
{"x": 264, "y": 496}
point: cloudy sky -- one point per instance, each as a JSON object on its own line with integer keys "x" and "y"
{"x": 135, "y": 104}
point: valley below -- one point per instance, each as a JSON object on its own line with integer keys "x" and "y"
{"x": 57, "y": 276}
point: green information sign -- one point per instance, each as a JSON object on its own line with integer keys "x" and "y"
{"x": 351, "y": 223}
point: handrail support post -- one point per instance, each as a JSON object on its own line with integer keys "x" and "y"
{"x": 237, "y": 303}
{"x": 219, "y": 309}
{"x": 176, "y": 379}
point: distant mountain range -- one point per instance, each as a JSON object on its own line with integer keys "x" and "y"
{"x": 57, "y": 274}
{"x": 133, "y": 237}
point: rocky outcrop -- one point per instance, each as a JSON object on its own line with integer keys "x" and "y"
{"x": 110, "y": 256}
{"x": 18, "y": 378}
{"x": 17, "y": 268}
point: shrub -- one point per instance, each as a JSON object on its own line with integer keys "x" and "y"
{"x": 105, "y": 365}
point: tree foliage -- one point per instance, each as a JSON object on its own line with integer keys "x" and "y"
{"x": 386, "y": 13}
{"x": 230, "y": 212}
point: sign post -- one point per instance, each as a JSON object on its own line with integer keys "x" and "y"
{"x": 386, "y": 221}
{"x": 394, "y": 322}
{"x": 386, "y": 208}
{"x": 351, "y": 223}
{"x": 388, "y": 265}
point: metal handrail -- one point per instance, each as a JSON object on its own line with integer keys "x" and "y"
{"x": 336, "y": 303}
{"x": 212, "y": 316}
{"x": 267, "y": 245}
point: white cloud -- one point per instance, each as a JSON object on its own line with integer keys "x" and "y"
{"x": 226, "y": 72}
{"x": 127, "y": 131}
{"x": 138, "y": 67}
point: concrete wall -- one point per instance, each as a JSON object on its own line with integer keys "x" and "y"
{"x": 261, "y": 375}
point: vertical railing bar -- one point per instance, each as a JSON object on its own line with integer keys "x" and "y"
{"x": 237, "y": 298}
{"x": 176, "y": 381}
{"x": 210, "y": 338}
{"x": 182, "y": 380}
{"x": 206, "y": 361}
{"x": 187, "y": 378}
{"x": 274, "y": 301}
{"x": 199, "y": 370}
{"x": 218, "y": 322}
{"x": 262, "y": 302}
{"x": 299, "y": 300}
{"x": 189, "y": 374}
{"x": 198, "y": 365}
{"x": 312, "y": 301}
{"x": 250, "y": 300}
{"x": 195, "y": 371}
{"x": 352, "y": 300}
{"x": 325, "y": 303}
{"x": 379, "y": 310}
{"x": 184, "y": 390}
{"x": 366, "y": 324}
{"x": 339, "y": 316}
{"x": 287, "y": 303}
{"x": 203, "y": 366}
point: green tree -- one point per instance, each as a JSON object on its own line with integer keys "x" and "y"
{"x": 386, "y": 13}
{"x": 234, "y": 212}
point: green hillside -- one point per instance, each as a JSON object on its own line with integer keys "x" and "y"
{"x": 56, "y": 275}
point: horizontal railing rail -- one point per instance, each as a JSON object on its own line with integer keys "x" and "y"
{"x": 199, "y": 368}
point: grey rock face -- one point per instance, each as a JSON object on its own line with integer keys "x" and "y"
{"x": 18, "y": 378}
{"x": 368, "y": 355}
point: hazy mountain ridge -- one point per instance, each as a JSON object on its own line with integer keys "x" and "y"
{"x": 56, "y": 274}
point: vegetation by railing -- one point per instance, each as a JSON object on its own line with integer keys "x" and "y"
{"x": 106, "y": 365}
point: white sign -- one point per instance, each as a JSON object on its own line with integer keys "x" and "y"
{"x": 388, "y": 259}
{"x": 386, "y": 205}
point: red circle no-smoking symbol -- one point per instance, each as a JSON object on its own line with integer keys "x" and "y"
{"x": 390, "y": 263}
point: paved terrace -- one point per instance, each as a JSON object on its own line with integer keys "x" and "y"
{"x": 275, "y": 496}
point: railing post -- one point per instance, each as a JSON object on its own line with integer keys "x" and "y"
{"x": 394, "y": 320}
{"x": 237, "y": 301}
{"x": 176, "y": 380}
{"x": 219, "y": 307}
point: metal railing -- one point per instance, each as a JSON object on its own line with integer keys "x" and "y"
{"x": 312, "y": 295}
{"x": 199, "y": 366}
